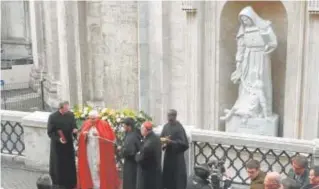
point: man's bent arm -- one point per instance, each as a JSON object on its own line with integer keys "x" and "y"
{"x": 51, "y": 130}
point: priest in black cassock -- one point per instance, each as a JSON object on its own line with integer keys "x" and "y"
{"x": 175, "y": 143}
{"x": 61, "y": 130}
{"x": 132, "y": 144}
{"x": 149, "y": 160}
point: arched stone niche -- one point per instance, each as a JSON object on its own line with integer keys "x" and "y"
{"x": 271, "y": 10}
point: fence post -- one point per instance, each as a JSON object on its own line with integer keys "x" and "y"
{"x": 42, "y": 94}
{"x": 4, "y": 94}
{"x": 316, "y": 152}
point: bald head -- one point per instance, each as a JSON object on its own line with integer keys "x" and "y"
{"x": 171, "y": 115}
{"x": 272, "y": 180}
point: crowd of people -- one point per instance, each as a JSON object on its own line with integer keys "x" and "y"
{"x": 299, "y": 176}
{"x": 142, "y": 152}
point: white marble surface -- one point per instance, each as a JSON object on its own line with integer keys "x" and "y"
{"x": 256, "y": 126}
{"x": 36, "y": 140}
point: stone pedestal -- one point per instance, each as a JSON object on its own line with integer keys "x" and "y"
{"x": 255, "y": 126}
{"x": 36, "y": 140}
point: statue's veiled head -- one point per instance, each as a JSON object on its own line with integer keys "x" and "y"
{"x": 248, "y": 17}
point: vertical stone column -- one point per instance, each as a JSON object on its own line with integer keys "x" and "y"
{"x": 69, "y": 52}
{"x": 193, "y": 43}
{"x": 50, "y": 53}
{"x": 156, "y": 59}
{"x": 310, "y": 101}
{"x": 210, "y": 85}
{"x": 96, "y": 54}
{"x": 295, "y": 55}
{"x": 143, "y": 55}
{"x": 36, "y": 30}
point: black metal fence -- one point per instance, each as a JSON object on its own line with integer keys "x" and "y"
{"x": 22, "y": 96}
{"x": 12, "y": 141}
{"x": 237, "y": 157}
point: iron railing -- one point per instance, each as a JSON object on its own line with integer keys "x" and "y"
{"x": 22, "y": 97}
{"x": 237, "y": 156}
{"x": 12, "y": 138}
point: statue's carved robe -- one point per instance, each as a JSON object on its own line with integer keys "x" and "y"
{"x": 254, "y": 43}
{"x": 96, "y": 163}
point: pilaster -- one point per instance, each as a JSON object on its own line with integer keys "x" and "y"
{"x": 96, "y": 54}
{"x": 36, "y": 21}
{"x": 69, "y": 52}
{"x": 49, "y": 7}
{"x": 156, "y": 59}
{"x": 143, "y": 55}
{"x": 295, "y": 58}
{"x": 310, "y": 101}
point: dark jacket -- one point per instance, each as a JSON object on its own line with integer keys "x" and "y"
{"x": 304, "y": 179}
{"x": 149, "y": 160}
{"x": 132, "y": 143}
{"x": 258, "y": 182}
{"x": 310, "y": 186}
{"x": 195, "y": 182}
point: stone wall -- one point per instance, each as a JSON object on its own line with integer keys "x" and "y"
{"x": 154, "y": 56}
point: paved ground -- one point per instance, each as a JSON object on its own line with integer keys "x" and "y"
{"x": 15, "y": 176}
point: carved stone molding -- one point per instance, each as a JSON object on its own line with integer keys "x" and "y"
{"x": 189, "y": 6}
{"x": 313, "y": 7}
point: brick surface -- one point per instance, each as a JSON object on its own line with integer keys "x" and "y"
{"x": 16, "y": 176}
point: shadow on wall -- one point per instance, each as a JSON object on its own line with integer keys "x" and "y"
{"x": 229, "y": 25}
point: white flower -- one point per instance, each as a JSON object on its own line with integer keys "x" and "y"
{"x": 118, "y": 120}
{"x": 83, "y": 116}
{"x": 86, "y": 109}
{"x": 104, "y": 118}
{"x": 117, "y": 116}
{"x": 86, "y": 112}
{"x": 122, "y": 129}
{"x": 122, "y": 115}
{"x": 104, "y": 110}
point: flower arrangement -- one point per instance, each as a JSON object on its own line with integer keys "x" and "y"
{"x": 113, "y": 117}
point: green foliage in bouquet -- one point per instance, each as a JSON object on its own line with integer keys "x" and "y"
{"x": 113, "y": 117}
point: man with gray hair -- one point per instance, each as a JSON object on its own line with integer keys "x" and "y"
{"x": 289, "y": 183}
{"x": 272, "y": 180}
{"x": 299, "y": 171}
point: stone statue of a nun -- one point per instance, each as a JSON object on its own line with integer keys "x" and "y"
{"x": 255, "y": 41}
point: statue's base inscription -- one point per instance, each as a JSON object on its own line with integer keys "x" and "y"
{"x": 256, "y": 126}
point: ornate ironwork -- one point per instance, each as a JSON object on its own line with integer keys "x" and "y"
{"x": 237, "y": 157}
{"x": 12, "y": 138}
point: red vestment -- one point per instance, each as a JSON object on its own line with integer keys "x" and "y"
{"x": 109, "y": 178}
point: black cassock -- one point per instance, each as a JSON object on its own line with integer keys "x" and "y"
{"x": 174, "y": 168}
{"x": 132, "y": 144}
{"x": 149, "y": 163}
{"x": 62, "y": 156}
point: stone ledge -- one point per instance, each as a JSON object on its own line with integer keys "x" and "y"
{"x": 36, "y": 119}
{"x": 12, "y": 158}
{"x": 16, "y": 116}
